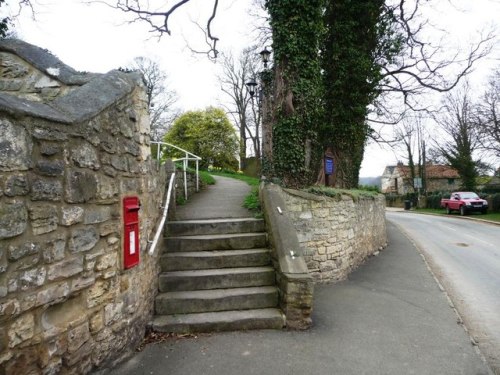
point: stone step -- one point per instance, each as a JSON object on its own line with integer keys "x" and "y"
{"x": 196, "y": 260}
{"x": 219, "y": 321}
{"x": 214, "y": 226}
{"x": 216, "y": 300}
{"x": 216, "y": 279}
{"x": 216, "y": 242}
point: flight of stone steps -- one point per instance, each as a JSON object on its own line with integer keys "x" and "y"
{"x": 216, "y": 276}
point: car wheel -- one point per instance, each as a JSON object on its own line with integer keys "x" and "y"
{"x": 485, "y": 211}
{"x": 448, "y": 211}
{"x": 462, "y": 210}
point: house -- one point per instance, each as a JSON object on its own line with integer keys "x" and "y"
{"x": 397, "y": 179}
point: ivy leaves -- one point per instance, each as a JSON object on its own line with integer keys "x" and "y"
{"x": 297, "y": 28}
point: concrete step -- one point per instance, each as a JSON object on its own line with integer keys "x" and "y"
{"x": 196, "y": 260}
{"x": 216, "y": 242}
{"x": 214, "y": 226}
{"x": 216, "y": 300}
{"x": 219, "y": 321}
{"x": 216, "y": 279}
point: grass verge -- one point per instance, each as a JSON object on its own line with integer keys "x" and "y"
{"x": 493, "y": 216}
{"x": 252, "y": 181}
{"x": 206, "y": 178}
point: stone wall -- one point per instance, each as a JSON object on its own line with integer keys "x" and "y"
{"x": 191, "y": 185}
{"x": 336, "y": 235}
{"x": 67, "y": 305}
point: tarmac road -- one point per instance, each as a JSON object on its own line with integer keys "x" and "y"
{"x": 465, "y": 257}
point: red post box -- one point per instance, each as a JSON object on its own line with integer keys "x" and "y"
{"x": 131, "y": 207}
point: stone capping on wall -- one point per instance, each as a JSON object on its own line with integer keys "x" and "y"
{"x": 294, "y": 281}
{"x": 46, "y": 62}
{"x": 79, "y": 105}
{"x": 305, "y": 195}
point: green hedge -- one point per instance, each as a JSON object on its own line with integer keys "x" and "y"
{"x": 495, "y": 199}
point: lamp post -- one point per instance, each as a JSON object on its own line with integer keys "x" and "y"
{"x": 265, "y": 54}
{"x": 251, "y": 86}
{"x": 263, "y": 104}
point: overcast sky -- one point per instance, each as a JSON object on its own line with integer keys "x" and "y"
{"x": 96, "y": 38}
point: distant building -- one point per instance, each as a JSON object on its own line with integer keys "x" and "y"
{"x": 397, "y": 178}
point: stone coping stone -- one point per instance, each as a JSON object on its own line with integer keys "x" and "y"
{"x": 45, "y": 61}
{"x": 94, "y": 92}
{"x": 305, "y": 195}
{"x": 17, "y": 106}
{"x": 78, "y": 106}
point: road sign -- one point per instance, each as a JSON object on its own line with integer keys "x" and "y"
{"x": 329, "y": 167}
{"x": 417, "y": 183}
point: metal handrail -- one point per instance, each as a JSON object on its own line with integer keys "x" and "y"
{"x": 163, "y": 217}
{"x": 189, "y": 156}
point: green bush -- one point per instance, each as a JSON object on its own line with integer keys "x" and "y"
{"x": 495, "y": 205}
{"x": 434, "y": 200}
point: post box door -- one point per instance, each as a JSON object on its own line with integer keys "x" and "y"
{"x": 131, "y": 207}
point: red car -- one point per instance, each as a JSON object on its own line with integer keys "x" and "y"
{"x": 465, "y": 202}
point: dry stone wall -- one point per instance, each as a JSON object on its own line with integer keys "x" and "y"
{"x": 336, "y": 235}
{"x": 67, "y": 305}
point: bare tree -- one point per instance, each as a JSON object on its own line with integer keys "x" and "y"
{"x": 488, "y": 115}
{"x": 412, "y": 137}
{"x": 161, "y": 99}
{"x": 461, "y": 141}
{"x": 242, "y": 108}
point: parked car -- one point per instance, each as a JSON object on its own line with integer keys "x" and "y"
{"x": 464, "y": 202}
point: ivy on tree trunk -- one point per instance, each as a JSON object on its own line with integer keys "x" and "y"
{"x": 351, "y": 56}
{"x": 297, "y": 110}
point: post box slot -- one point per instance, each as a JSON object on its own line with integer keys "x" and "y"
{"x": 133, "y": 208}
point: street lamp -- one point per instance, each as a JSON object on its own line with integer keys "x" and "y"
{"x": 251, "y": 86}
{"x": 265, "y": 55}
{"x": 263, "y": 105}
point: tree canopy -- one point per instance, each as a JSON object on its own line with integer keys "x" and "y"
{"x": 209, "y": 134}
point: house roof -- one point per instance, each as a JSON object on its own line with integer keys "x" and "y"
{"x": 431, "y": 171}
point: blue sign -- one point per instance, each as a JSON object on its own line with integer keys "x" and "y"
{"x": 329, "y": 166}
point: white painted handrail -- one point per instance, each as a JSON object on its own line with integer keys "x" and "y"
{"x": 189, "y": 156}
{"x": 163, "y": 217}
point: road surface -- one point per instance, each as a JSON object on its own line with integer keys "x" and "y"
{"x": 465, "y": 257}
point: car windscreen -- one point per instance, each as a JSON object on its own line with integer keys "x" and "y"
{"x": 469, "y": 196}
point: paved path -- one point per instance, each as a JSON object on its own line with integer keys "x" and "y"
{"x": 222, "y": 200}
{"x": 389, "y": 318}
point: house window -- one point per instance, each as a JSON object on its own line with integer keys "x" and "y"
{"x": 451, "y": 181}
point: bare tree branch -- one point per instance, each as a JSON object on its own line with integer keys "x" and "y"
{"x": 421, "y": 66}
{"x": 158, "y": 20}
